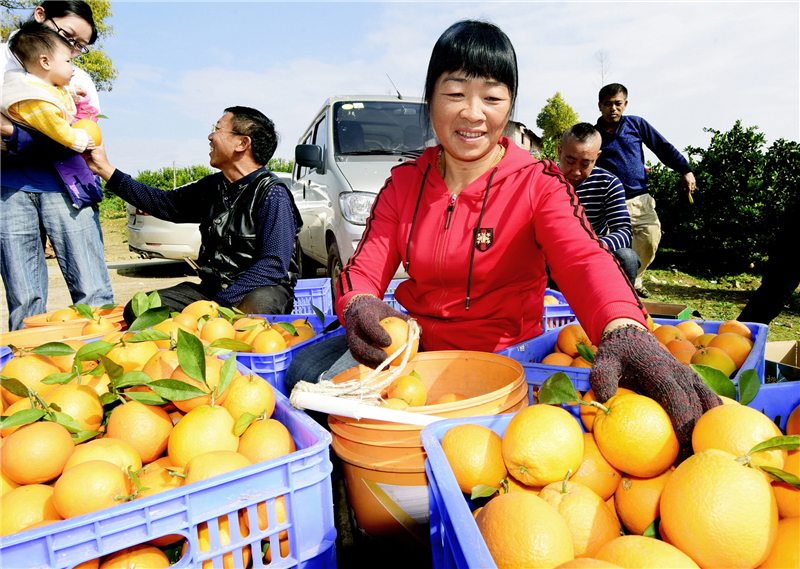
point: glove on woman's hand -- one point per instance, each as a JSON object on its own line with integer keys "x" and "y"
{"x": 632, "y": 357}
{"x": 362, "y": 320}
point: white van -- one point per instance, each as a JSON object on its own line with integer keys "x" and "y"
{"x": 341, "y": 162}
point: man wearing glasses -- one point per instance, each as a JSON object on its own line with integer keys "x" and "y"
{"x": 248, "y": 219}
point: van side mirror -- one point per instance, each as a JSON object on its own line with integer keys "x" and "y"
{"x": 309, "y": 155}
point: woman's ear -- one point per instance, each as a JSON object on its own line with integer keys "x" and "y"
{"x": 39, "y": 14}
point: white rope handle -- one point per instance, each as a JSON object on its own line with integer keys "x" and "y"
{"x": 365, "y": 390}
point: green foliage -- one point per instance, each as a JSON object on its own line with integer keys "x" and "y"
{"x": 169, "y": 178}
{"x": 550, "y": 149}
{"x": 556, "y": 117}
{"x": 96, "y": 63}
{"x": 280, "y": 165}
{"x": 741, "y": 191}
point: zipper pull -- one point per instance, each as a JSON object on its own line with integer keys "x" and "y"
{"x": 450, "y": 208}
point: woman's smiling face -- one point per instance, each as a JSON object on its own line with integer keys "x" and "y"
{"x": 469, "y": 114}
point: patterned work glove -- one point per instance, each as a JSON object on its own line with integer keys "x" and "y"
{"x": 632, "y": 357}
{"x": 362, "y": 320}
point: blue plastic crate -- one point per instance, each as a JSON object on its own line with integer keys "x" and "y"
{"x": 272, "y": 367}
{"x": 531, "y": 352}
{"x": 456, "y": 541}
{"x": 388, "y": 296}
{"x": 5, "y": 355}
{"x": 302, "y": 478}
{"x": 557, "y": 315}
{"x": 316, "y": 292}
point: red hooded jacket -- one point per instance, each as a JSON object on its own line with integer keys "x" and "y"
{"x": 476, "y": 261}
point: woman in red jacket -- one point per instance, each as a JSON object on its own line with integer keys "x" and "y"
{"x": 474, "y": 220}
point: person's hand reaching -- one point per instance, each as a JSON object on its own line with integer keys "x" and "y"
{"x": 362, "y": 320}
{"x": 631, "y": 357}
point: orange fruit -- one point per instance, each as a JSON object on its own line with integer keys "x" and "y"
{"x": 213, "y": 373}
{"x": 588, "y": 412}
{"x": 397, "y": 328}
{"x": 132, "y": 355}
{"x": 637, "y": 500}
{"x": 98, "y": 325}
{"x": 263, "y": 523}
{"x": 667, "y": 332}
{"x": 677, "y": 345}
{"x": 26, "y": 505}
{"x": 786, "y": 552}
{"x": 716, "y": 358}
{"x": 793, "y": 422}
{"x": 787, "y": 496}
{"x": 591, "y": 524}
{"x": 569, "y": 337}
{"x": 13, "y": 408}
{"x": 90, "y": 486}
{"x": 249, "y": 394}
{"x": 542, "y": 443}
{"x": 515, "y": 485}
{"x": 161, "y": 364}
{"x": 736, "y": 346}
{"x": 635, "y": 551}
{"x": 719, "y": 512}
{"x": 170, "y": 327}
{"x": 736, "y": 429}
{"x": 115, "y": 451}
{"x": 304, "y": 333}
{"x": 550, "y": 300}
{"x": 264, "y": 440}
{"x": 522, "y": 530}
{"x": 636, "y": 435}
{"x": 735, "y": 327}
{"x": 30, "y": 369}
{"x": 156, "y": 481}
{"x": 36, "y": 453}
{"x": 201, "y": 308}
{"x": 146, "y": 428}
{"x": 216, "y": 329}
{"x": 80, "y": 402}
{"x": 557, "y": 359}
{"x": 186, "y": 320}
{"x": 685, "y": 356}
{"x": 214, "y": 463}
{"x": 138, "y": 556}
{"x": 63, "y": 315}
{"x": 246, "y": 329}
{"x": 268, "y": 342}
{"x": 690, "y": 329}
{"x": 448, "y": 398}
{"x": 474, "y": 453}
{"x": 586, "y": 563}
{"x": 408, "y": 388}
{"x": 100, "y": 383}
{"x": 703, "y": 339}
{"x": 91, "y": 128}
{"x": 595, "y": 471}
{"x": 201, "y": 430}
{"x": 6, "y": 484}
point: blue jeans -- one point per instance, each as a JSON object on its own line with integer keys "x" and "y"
{"x": 77, "y": 241}
{"x": 323, "y": 360}
{"x": 629, "y": 261}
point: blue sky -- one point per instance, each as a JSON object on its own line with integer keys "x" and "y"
{"x": 687, "y": 65}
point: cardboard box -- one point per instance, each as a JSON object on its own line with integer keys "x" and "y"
{"x": 665, "y": 310}
{"x": 782, "y": 360}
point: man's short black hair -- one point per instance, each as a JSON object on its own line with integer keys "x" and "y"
{"x": 34, "y": 39}
{"x": 479, "y": 49}
{"x": 613, "y": 89}
{"x": 582, "y": 132}
{"x": 261, "y": 130}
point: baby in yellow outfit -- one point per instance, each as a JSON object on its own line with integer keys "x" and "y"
{"x": 39, "y": 97}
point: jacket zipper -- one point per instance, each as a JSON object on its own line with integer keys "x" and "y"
{"x": 450, "y": 208}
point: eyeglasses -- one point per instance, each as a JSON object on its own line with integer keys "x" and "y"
{"x": 215, "y": 128}
{"x": 82, "y": 49}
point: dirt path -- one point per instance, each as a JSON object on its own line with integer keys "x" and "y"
{"x": 128, "y": 273}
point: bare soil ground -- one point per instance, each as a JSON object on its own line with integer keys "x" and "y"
{"x": 129, "y": 273}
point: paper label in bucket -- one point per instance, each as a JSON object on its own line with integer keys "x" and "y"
{"x": 406, "y": 504}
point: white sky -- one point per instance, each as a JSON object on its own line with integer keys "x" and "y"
{"x": 687, "y": 65}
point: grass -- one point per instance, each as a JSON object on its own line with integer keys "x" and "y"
{"x": 719, "y": 299}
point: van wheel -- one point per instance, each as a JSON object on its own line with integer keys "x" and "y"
{"x": 334, "y": 264}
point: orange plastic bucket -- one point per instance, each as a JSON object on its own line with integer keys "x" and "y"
{"x": 38, "y": 320}
{"x": 384, "y": 463}
{"x": 32, "y": 337}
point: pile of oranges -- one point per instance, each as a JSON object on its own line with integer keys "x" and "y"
{"x": 81, "y": 443}
{"x": 565, "y": 352}
{"x": 614, "y": 496}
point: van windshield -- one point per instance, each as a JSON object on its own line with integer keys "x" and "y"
{"x": 377, "y": 127}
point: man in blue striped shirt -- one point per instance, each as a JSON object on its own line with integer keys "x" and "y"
{"x": 601, "y": 193}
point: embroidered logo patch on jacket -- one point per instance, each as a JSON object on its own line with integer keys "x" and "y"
{"x": 484, "y": 237}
